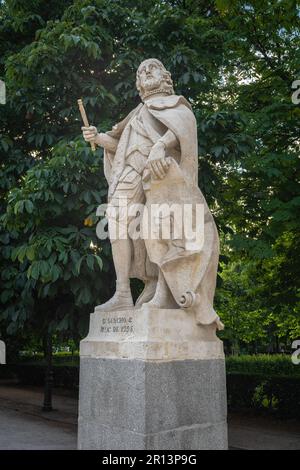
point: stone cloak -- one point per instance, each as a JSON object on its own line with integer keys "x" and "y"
{"x": 189, "y": 272}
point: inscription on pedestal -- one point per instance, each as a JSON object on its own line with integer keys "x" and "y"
{"x": 150, "y": 333}
{"x": 117, "y": 324}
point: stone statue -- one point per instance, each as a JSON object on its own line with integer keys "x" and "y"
{"x": 151, "y": 158}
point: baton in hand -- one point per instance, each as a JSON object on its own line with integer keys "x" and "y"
{"x": 85, "y": 120}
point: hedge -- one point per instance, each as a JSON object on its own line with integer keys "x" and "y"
{"x": 277, "y": 395}
{"x": 266, "y": 383}
{"x": 266, "y": 364}
{"x": 34, "y": 374}
{"x": 58, "y": 358}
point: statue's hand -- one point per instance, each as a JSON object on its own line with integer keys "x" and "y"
{"x": 90, "y": 133}
{"x": 157, "y": 163}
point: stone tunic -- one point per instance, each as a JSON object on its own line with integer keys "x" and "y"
{"x": 130, "y": 186}
{"x": 137, "y": 153}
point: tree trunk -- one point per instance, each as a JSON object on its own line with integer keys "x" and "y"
{"x": 48, "y": 373}
{"x": 277, "y": 344}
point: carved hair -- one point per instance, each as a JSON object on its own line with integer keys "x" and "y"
{"x": 166, "y": 85}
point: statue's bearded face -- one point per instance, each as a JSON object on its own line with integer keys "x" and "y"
{"x": 151, "y": 76}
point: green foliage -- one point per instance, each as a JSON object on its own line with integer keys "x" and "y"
{"x": 265, "y": 383}
{"x": 235, "y": 62}
{"x": 252, "y": 323}
{"x": 274, "y": 395}
{"x": 60, "y": 257}
{"x": 258, "y": 204}
{"x": 61, "y": 358}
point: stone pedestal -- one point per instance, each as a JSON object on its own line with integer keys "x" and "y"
{"x": 151, "y": 379}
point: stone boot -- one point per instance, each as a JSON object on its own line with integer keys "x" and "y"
{"x": 147, "y": 294}
{"x": 121, "y": 300}
{"x": 162, "y": 297}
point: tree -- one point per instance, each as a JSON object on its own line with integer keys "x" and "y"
{"x": 263, "y": 40}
